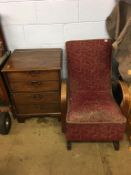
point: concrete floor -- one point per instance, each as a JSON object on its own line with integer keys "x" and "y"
{"x": 37, "y": 147}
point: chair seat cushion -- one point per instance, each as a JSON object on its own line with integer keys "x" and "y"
{"x": 94, "y": 120}
{"x": 91, "y": 111}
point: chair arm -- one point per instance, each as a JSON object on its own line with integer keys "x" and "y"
{"x": 64, "y": 97}
{"x": 126, "y": 97}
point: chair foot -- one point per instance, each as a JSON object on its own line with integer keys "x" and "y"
{"x": 116, "y": 145}
{"x": 69, "y": 145}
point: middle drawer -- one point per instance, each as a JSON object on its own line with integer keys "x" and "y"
{"x": 36, "y": 98}
{"x": 34, "y": 86}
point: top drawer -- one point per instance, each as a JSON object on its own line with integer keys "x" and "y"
{"x": 31, "y": 75}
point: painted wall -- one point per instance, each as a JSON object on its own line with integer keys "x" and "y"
{"x": 50, "y": 23}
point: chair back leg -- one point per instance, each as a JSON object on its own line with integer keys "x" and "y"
{"x": 116, "y": 145}
{"x": 69, "y": 145}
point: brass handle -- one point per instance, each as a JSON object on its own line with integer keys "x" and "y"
{"x": 35, "y": 83}
{"x": 37, "y": 96}
{"x": 34, "y": 73}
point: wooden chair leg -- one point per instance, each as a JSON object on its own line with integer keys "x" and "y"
{"x": 69, "y": 145}
{"x": 116, "y": 145}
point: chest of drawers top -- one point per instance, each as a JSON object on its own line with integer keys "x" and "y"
{"x": 34, "y": 59}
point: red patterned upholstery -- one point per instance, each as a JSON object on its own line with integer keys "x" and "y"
{"x": 92, "y": 112}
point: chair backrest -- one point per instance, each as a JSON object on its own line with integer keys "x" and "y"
{"x": 89, "y": 65}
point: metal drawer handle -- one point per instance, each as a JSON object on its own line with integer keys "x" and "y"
{"x": 35, "y": 83}
{"x": 37, "y": 96}
{"x": 34, "y": 73}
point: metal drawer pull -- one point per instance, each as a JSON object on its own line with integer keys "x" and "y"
{"x": 37, "y": 96}
{"x": 35, "y": 83}
{"x": 34, "y": 73}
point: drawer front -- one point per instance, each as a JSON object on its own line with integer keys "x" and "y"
{"x": 34, "y": 86}
{"x": 31, "y": 75}
{"x": 36, "y": 98}
{"x": 38, "y": 109}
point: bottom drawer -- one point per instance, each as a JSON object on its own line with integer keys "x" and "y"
{"x": 38, "y": 109}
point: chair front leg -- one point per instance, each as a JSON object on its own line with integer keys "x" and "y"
{"x": 116, "y": 145}
{"x": 69, "y": 145}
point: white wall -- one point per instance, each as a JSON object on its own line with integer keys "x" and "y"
{"x": 49, "y": 23}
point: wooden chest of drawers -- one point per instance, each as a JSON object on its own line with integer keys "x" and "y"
{"x": 33, "y": 77}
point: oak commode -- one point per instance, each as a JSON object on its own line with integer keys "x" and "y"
{"x": 33, "y": 77}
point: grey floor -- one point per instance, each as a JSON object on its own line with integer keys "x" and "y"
{"x": 37, "y": 147}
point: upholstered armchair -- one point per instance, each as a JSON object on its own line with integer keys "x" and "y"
{"x": 89, "y": 112}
